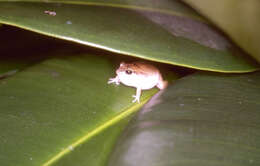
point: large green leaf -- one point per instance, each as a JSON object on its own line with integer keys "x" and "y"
{"x": 238, "y": 18}
{"x": 51, "y": 109}
{"x": 203, "y": 119}
{"x": 122, "y": 31}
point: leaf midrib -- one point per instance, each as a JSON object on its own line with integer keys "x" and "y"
{"x": 127, "y": 111}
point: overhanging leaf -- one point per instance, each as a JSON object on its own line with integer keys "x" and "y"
{"x": 203, "y": 119}
{"x": 122, "y": 31}
{"x": 173, "y": 7}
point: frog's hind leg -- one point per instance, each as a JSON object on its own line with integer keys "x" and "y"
{"x": 161, "y": 83}
{"x": 137, "y": 95}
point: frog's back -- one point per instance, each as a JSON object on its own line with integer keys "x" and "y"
{"x": 143, "y": 68}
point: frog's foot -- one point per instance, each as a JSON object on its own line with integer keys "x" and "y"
{"x": 137, "y": 96}
{"x": 136, "y": 99}
{"x": 113, "y": 80}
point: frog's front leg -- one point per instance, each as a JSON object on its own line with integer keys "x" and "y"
{"x": 114, "y": 80}
{"x": 137, "y": 95}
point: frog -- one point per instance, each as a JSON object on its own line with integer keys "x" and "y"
{"x": 140, "y": 75}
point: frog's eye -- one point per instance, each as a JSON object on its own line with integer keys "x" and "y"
{"x": 128, "y": 72}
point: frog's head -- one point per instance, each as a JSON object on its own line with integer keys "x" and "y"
{"x": 125, "y": 69}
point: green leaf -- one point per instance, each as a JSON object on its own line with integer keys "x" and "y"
{"x": 96, "y": 150}
{"x": 51, "y": 109}
{"x": 121, "y": 30}
{"x": 239, "y": 19}
{"x": 203, "y": 119}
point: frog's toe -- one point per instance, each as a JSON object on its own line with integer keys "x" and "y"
{"x": 112, "y": 80}
{"x": 136, "y": 99}
{"x": 109, "y": 82}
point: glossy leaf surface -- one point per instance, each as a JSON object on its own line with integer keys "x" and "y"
{"x": 122, "y": 31}
{"x": 52, "y": 108}
{"x": 173, "y": 7}
{"x": 203, "y": 119}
